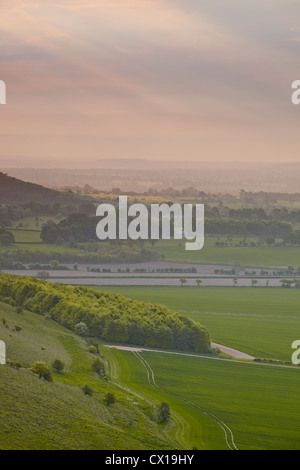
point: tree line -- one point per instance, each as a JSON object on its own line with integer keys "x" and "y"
{"x": 82, "y": 228}
{"x": 106, "y": 316}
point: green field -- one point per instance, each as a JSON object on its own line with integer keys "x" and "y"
{"x": 28, "y": 238}
{"x": 215, "y": 403}
{"x": 37, "y": 415}
{"x": 174, "y": 250}
{"x": 224, "y": 405}
{"x": 260, "y": 322}
{"x": 31, "y": 223}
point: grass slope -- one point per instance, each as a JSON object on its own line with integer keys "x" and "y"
{"x": 38, "y": 415}
{"x": 15, "y": 191}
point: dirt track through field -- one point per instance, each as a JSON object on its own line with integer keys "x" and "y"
{"x": 229, "y": 438}
{"x": 225, "y": 349}
{"x": 232, "y": 352}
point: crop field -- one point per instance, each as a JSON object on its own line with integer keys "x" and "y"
{"x": 216, "y": 403}
{"x": 261, "y": 256}
{"x": 28, "y": 238}
{"x": 261, "y": 322}
{"x": 34, "y": 223}
{"x": 226, "y": 404}
{"x": 222, "y": 404}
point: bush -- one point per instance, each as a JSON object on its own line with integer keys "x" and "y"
{"x": 14, "y": 364}
{"x": 109, "y": 399}
{"x": 99, "y": 368}
{"x": 58, "y": 366}
{"x": 87, "y": 390}
{"x": 42, "y": 370}
{"x": 163, "y": 413}
{"x": 81, "y": 329}
{"x": 92, "y": 349}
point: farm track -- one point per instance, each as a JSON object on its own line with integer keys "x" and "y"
{"x": 181, "y": 426}
{"x": 229, "y": 438}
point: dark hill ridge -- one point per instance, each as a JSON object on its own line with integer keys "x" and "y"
{"x": 15, "y": 191}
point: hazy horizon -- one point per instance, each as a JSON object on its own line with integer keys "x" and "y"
{"x": 141, "y": 175}
{"x": 187, "y": 80}
{"x": 139, "y": 163}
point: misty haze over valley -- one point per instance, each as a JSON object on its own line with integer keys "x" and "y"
{"x": 141, "y": 175}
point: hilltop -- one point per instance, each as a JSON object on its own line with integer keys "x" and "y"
{"x": 15, "y": 191}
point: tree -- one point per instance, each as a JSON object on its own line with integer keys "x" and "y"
{"x": 81, "y": 329}
{"x": 6, "y": 238}
{"x": 42, "y": 370}
{"x": 93, "y": 342}
{"x": 182, "y": 281}
{"x": 297, "y": 283}
{"x": 270, "y": 241}
{"x": 14, "y": 364}
{"x": 98, "y": 316}
{"x": 109, "y": 399}
{"x": 163, "y": 413}
{"x": 131, "y": 423}
{"x": 50, "y": 233}
{"x": 237, "y": 268}
{"x": 87, "y": 390}
{"x": 254, "y": 282}
{"x": 54, "y": 264}
{"x": 58, "y": 366}
{"x": 235, "y": 281}
{"x": 199, "y": 282}
{"x": 92, "y": 349}
{"x": 286, "y": 283}
{"x": 99, "y": 368}
{"x": 116, "y": 330}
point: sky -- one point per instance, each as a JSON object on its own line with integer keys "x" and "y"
{"x": 199, "y": 80}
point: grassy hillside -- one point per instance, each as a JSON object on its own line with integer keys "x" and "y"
{"x": 257, "y": 403}
{"x": 35, "y": 414}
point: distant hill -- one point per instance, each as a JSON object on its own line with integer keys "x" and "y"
{"x": 15, "y": 191}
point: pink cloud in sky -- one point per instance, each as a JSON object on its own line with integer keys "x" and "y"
{"x": 154, "y": 78}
